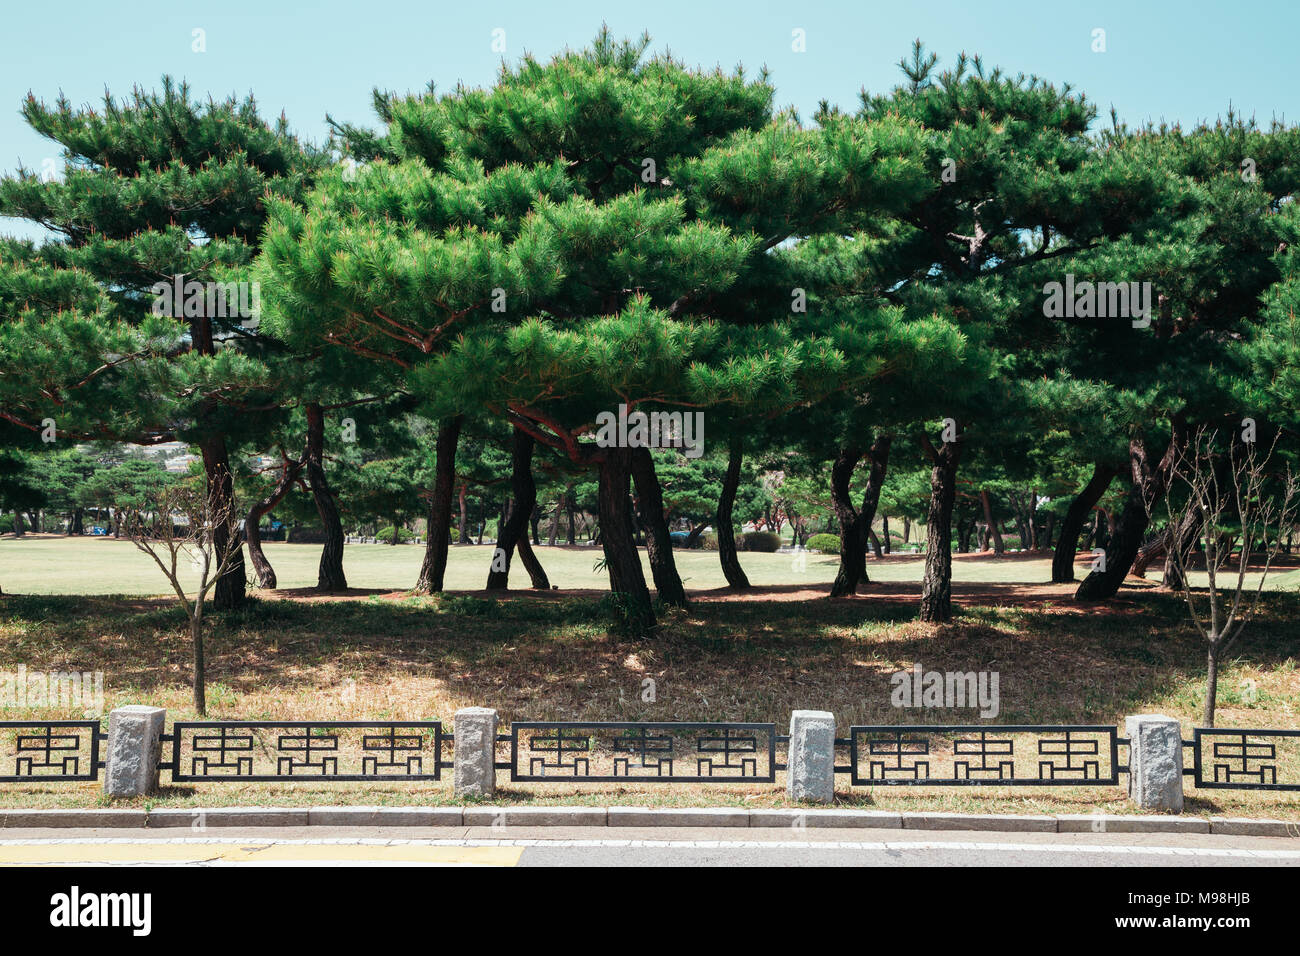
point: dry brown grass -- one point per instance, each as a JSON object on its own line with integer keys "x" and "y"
{"x": 741, "y": 661}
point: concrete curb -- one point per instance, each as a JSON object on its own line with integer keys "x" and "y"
{"x": 73, "y": 818}
{"x": 200, "y": 818}
{"x": 787, "y": 819}
{"x": 525, "y": 816}
{"x": 1011, "y": 823}
{"x": 385, "y": 816}
{"x": 1118, "y": 823}
{"x": 536, "y": 817}
{"x": 677, "y": 817}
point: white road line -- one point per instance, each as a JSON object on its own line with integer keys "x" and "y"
{"x": 1095, "y": 848}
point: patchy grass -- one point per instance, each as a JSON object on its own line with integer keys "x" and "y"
{"x": 537, "y": 659}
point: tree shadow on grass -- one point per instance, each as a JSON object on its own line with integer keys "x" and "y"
{"x": 718, "y": 661}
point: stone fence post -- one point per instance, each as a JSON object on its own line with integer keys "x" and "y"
{"x": 134, "y": 750}
{"x": 476, "y": 752}
{"x": 810, "y": 761}
{"x": 1155, "y": 762}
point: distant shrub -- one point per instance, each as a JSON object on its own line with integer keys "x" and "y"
{"x": 709, "y": 541}
{"x": 385, "y": 535}
{"x": 824, "y": 543}
{"x": 767, "y": 541}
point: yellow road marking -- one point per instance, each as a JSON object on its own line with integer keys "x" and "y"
{"x": 157, "y": 852}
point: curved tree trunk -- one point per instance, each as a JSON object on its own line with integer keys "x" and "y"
{"x": 1075, "y": 516}
{"x": 993, "y": 531}
{"x": 264, "y": 574}
{"x": 536, "y": 573}
{"x": 1179, "y": 543}
{"x": 515, "y": 528}
{"x": 622, "y": 561}
{"x": 936, "y": 587}
{"x": 659, "y": 543}
{"x": 1148, "y": 484}
{"x": 1121, "y": 550}
{"x": 853, "y": 563}
{"x": 434, "y": 566}
{"x": 329, "y": 576}
{"x": 731, "y": 568}
{"x": 229, "y": 590}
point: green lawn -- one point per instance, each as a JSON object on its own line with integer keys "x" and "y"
{"x": 56, "y": 565}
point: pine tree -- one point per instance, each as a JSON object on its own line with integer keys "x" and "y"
{"x": 157, "y": 190}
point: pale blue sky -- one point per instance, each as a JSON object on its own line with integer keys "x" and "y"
{"x": 1180, "y": 60}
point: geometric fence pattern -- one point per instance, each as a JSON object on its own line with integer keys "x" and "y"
{"x": 1039, "y": 755}
{"x": 987, "y": 755}
{"x": 49, "y": 750}
{"x": 293, "y": 750}
{"x": 1246, "y": 759}
{"x": 611, "y": 751}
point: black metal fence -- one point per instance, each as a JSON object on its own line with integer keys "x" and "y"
{"x": 293, "y": 750}
{"x": 983, "y": 755}
{"x": 50, "y": 750}
{"x": 1038, "y": 755}
{"x": 1224, "y": 758}
{"x": 616, "y": 751}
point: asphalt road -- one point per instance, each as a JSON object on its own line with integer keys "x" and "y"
{"x": 617, "y": 846}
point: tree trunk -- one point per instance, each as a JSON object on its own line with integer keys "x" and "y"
{"x": 515, "y": 528}
{"x": 263, "y": 573}
{"x": 1121, "y": 550}
{"x": 936, "y": 587}
{"x": 200, "y": 677}
{"x": 875, "y": 543}
{"x": 462, "y": 536}
{"x": 853, "y": 565}
{"x": 229, "y": 590}
{"x": 1148, "y": 484}
{"x": 569, "y": 507}
{"x": 536, "y": 573}
{"x": 329, "y": 576}
{"x": 1179, "y": 544}
{"x": 554, "y": 533}
{"x": 77, "y": 525}
{"x": 622, "y": 561}
{"x": 18, "y": 523}
{"x": 434, "y": 566}
{"x": 1075, "y": 516}
{"x": 659, "y": 543}
{"x": 731, "y": 568}
{"x": 998, "y": 546}
{"x": 1211, "y": 684}
{"x": 884, "y": 534}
